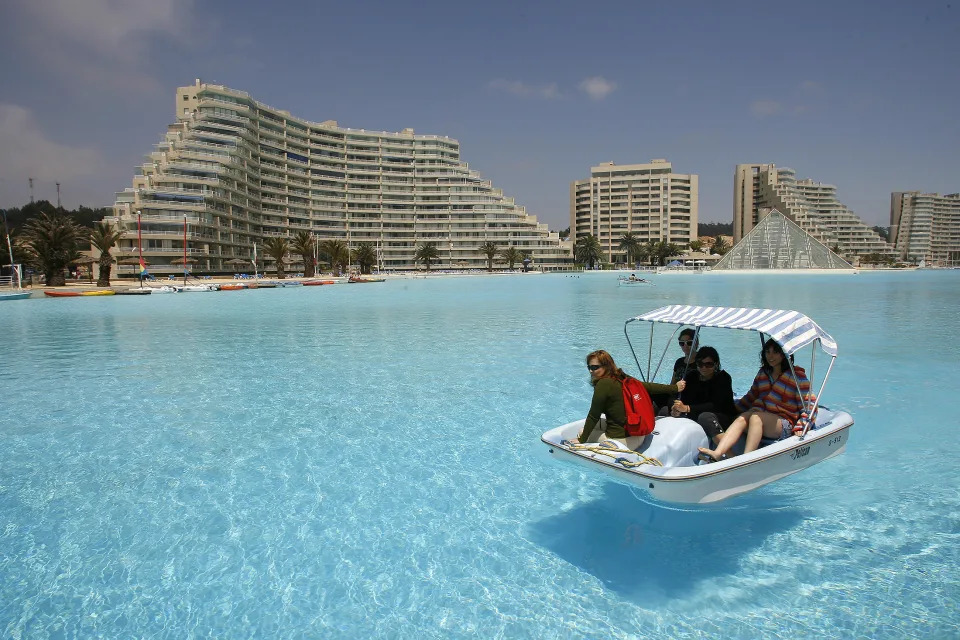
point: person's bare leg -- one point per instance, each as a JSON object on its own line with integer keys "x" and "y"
{"x": 754, "y": 433}
{"x": 728, "y": 439}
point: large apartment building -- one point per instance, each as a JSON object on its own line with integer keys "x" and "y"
{"x": 758, "y": 188}
{"x": 239, "y": 171}
{"x": 648, "y": 200}
{"x": 925, "y": 227}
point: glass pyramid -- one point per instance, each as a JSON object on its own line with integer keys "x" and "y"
{"x": 778, "y": 243}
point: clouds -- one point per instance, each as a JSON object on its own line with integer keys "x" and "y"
{"x": 103, "y": 43}
{"x": 795, "y": 102}
{"x": 25, "y": 150}
{"x": 597, "y": 88}
{"x": 518, "y": 88}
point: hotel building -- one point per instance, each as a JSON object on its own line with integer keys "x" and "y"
{"x": 240, "y": 171}
{"x": 925, "y": 228}
{"x": 648, "y": 200}
{"x": 758, "y": 188}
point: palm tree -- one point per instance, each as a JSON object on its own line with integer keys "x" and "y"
{"x": 104, "y": 238}
{"x": 631, "y": 244}
{"x": 365, "y": 256}
{"x": 277, "y": 248}
{"x": 426, "y": 253}
{"x": 302, "y": 244}
{"x": 587, "y": 251}
{"x": 337, "y": 253}
{"x": 696, "y": 245}
{"x": 663, "y": 250}
{"x": 720, "y": 246}
{"x": 489, "y": 249}
{"x": 53, "y": 241}
{"x": 511, "y": 255}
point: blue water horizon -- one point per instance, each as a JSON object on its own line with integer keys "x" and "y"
{"x": 345, "y": 462}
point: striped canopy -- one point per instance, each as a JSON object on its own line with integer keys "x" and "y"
{"x": 791, "y": 329}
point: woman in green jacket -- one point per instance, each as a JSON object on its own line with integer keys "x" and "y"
{"x": 607, "y": 381}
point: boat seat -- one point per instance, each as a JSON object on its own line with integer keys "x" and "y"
{"x": 674, "y": 442}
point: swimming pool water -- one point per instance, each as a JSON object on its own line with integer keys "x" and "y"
{"x": 347, "y": 462}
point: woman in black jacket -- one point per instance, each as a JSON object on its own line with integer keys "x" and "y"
{"x": 708, "y": 398}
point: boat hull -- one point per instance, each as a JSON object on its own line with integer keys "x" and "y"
{"x": 717, "y": 481}
{"x": 16, "y": 295}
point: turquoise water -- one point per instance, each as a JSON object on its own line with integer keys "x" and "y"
{"x": 347, "y": 462}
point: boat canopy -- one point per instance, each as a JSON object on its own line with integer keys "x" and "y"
{"x": 791, "y": 329}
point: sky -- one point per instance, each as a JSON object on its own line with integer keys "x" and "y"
{"x": 860, "y": 95}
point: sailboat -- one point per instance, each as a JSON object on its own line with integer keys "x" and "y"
{"x": 7, "y": 281}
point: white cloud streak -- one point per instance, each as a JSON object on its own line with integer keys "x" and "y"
{"x": 103, "y": 42}
{"x": 765, "y": 108}
{"x": 26, "y": 152}
{"x": 597, "y": 87}
{"x": 516, "y": 87}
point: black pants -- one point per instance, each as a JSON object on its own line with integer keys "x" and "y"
{"x": 713, "y": 423}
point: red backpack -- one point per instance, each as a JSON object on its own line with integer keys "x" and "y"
{"x": 636, "y": 400}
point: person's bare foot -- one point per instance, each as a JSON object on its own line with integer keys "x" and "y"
{"x": 713, "y": 455}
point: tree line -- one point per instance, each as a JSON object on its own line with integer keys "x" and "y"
{"x": 588, "y": 251}
{"x": 51, "y": 240}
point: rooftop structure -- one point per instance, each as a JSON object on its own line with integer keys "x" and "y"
{"x": 811, "y": 205}
{"x": 240, "y": 171}
{"x": 776, "y": 242}
{"x": 648, "y": 200}
{"x": 925, "y": 228}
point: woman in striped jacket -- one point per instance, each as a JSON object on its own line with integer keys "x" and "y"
{"x": 773, "y": 408}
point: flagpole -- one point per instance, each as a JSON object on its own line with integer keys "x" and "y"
{"x": 140, "y": 249}
{"x": 184, "y": 250}
{"x": 13, "y": 268}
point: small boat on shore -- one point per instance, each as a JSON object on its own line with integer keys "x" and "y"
{"x": 317, "y": 283}
{"x": 358, "y": 280}
{"x": 231, "y": 286}
{"x": 165, "y": 289}
{"x": 14, "y": 295}
{"x": 74, "y": 294}
{"x": 667, "y": 467}
{"x": 135, "y": 291}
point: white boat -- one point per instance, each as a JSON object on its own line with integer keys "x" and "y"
{"x": 164, "y": 289}
{"x": 198, "y": 288}
{"x": 633, "y": 281}
{"x": 666, "y": 467}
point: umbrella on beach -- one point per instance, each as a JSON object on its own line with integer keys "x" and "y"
{"x": 131, "y": 260}
{"x": 238, "y": 261}
{"x": 181, "y": 260}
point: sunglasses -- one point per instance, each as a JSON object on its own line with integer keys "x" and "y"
{"x": 594, "y": 367}
{"x": 685, "y": 343}
{"x": 706, "y": 365}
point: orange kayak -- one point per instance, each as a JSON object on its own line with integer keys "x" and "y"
{"x": 317, "y": 283}
{"x": 61, "y": 294}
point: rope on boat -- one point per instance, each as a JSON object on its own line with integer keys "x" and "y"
{"x": 612, "y": 452}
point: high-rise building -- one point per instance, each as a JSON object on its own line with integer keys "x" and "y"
{"x": 758, "y": 188}
{"x": 925, "y": 227}
{"x": 648, "y": 200}
{"x": 240, "y": 171}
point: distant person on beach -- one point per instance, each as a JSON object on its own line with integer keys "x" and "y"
{"x": 774, "y": 406}
{"x": 708, "y": 398}
{"x": 607, "y": 380}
